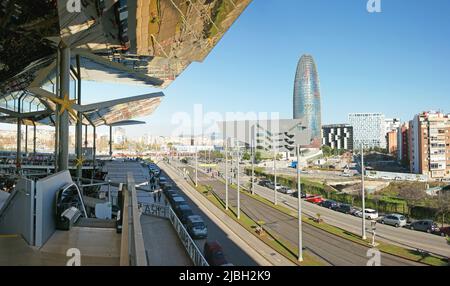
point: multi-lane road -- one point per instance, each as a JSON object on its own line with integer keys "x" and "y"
{"x": 402, "y": 236}
{"x": 236, "y": 254}
{"x": 328, "y": 248}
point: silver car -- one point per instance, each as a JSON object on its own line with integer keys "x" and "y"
{"x": 396, "y": 220}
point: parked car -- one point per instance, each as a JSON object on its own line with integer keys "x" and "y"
{"x": 196, "y": 227}
{"x": 183, "y": 211}
{"x": 329, "y": 204}
{"x": 344, "y": 208}
{"x": 426, "y": 225}
{"x": 396, "y": 220}
{"x": 370, "y": 214}
{"x": 169, "y": 193}
{"x": 286, "y": 190}
{"x": 444, "y": 231}
{"x": 315, "y": 199}
{"x": 177, "y": 200}
{"x": 295, "y": 195}
{"x": 214, "y": 255}
{"x": 263, "y": 182}
{"x": 354, "y": 211}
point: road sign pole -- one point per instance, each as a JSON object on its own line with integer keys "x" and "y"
{"x": 299, "y": 208}
{"x": 363, "y": 194}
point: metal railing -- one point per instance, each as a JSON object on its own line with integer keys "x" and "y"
{"x": 132, "y": 245}
{"x": 166, "y": 212}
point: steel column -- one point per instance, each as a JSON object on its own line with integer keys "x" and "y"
{"x": 110, "y": 142}
{"x": 79, "y": 127}
{"x": 63, "y": 157}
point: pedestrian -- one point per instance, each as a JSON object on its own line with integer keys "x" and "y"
{"x": 159, "y": 196}
{"x": 154, "y": 197}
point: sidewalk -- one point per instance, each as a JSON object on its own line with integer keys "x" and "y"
{"x": 259, "y": 251}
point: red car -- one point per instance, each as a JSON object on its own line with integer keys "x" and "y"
{"x": 214, "y": 255}
{"x": 315, "y": 199}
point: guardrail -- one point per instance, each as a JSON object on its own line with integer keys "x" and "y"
{"x": 166, "y": 212}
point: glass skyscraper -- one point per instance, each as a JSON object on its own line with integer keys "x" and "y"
{"x": 307, "y": 97}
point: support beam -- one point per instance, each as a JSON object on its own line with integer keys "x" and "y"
{"x": 63, "y": 156}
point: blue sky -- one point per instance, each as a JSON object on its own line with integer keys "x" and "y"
{"x": 395, "y": 62}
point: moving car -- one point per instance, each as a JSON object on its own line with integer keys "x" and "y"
{"x": 426, "y": 225}
{"x": 214, "y": 255}
{"x": 370, "y": 214}
{"x": 396, "y": 220}
{"x": 196, "y": 227}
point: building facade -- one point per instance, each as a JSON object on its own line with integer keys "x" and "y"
{"x": 391, "y": 124}
{"x": 338, "y": 136}
{"x": 392, "y": 142}
{"x": 368, "y": 129}
{"x": 307, "y": 105}
{"x": 430, "y": 144}
{"x": 403, "y": 144}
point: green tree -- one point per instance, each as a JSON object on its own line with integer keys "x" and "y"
{"x": 327, "y": 151}
{"x": 246, "y": 156}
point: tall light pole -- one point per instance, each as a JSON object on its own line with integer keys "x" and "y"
{"x": 253, "y": 148}
{"x": 238, "y": 183}
{"x": 196, "y": 166}
{"x": 363, "y": 194}
{"x": 299, "y": 208}
{"x": 226, "y": 173}
{"x": 275, "y": 200}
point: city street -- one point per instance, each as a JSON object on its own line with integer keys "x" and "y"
{"x": 331, "y": 249}
{"x": 402, "y": 236}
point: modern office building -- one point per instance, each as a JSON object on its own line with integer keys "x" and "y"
{"x": 338, "y": 136}
{"x": 307, "y": 97}
{"x": 403, "y": 144}
{"x": 429, "y": 140}
{"x": 279, "y": 136}
{"x": 368, "y": 129}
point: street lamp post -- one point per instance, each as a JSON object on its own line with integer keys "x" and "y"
{"x": 253, "y": 148}
{"x": 238, "y": 183}
{"x": 299, "y": 208}
{"x": 226, "y": 173}
{"x": 196, "y": 166}
{"x": 275, "y": 200}
{"x": 363, "y": 194}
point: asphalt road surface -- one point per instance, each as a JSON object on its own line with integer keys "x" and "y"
{"x": 331, "y": 249}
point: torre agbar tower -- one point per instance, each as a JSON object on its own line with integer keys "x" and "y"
{"x": 307, "y": 98}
